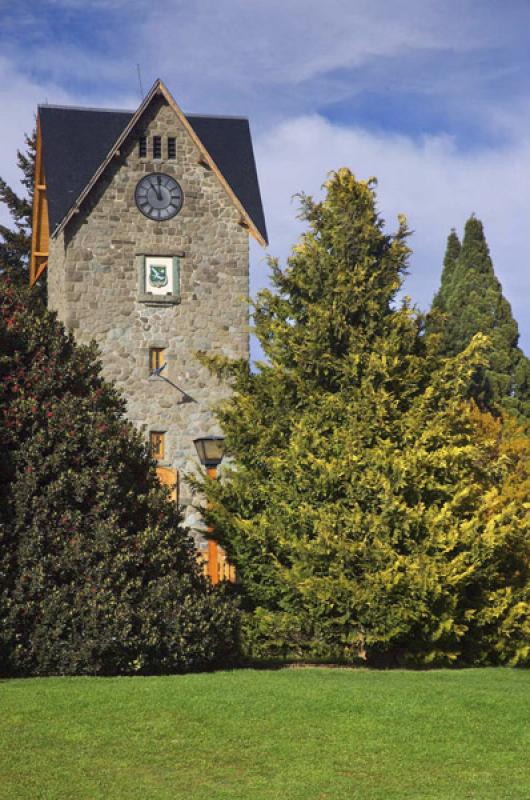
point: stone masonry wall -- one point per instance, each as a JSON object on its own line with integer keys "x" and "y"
{"x": 93, "y": 285}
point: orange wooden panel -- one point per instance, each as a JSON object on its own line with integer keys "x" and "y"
{"x": 213, "y": 563}
{"x": 224, "y": 570}
{"x": 39, "y": 219}
{"x": 169, "y": 477}
{"x": 43, "y": 231}
{"x": 157, "y": 444}
{"x": 155, "y": 358}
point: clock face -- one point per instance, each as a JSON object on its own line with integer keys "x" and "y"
{"x": 158, "y": 196}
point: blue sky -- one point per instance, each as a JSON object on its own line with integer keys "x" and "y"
{"x": 431, "y": 97}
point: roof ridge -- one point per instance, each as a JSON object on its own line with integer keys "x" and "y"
{"x": 132, "y": 111}
{"x": 87, "y": 108}
{"x": 217, "y": 116}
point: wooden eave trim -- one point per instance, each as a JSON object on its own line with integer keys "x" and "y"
{"x": 159, "y": 88}
{"x": 40, "y": 270}
{"x": 34, "y": 210}
{"x": 39, "y": 216}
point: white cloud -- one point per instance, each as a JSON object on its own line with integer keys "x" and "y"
{"x": 98, "y": 5}
{"x": 433, "y": 183}
{"x": 263, "y": 57}
{"x": 295, "y": 41}
{"x": 279, "y": 60}
{"x": 294, "y": 54}
{"x": 19, "y": 97}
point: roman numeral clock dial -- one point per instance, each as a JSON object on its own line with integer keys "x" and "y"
{"x": 158, "y": 196}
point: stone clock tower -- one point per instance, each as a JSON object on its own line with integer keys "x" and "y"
{"x": 142, "y": 222}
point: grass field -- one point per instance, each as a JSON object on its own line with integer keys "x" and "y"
{"x": 301, "y": 734}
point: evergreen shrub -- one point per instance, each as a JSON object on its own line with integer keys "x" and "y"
{"x": 97, "y": 574}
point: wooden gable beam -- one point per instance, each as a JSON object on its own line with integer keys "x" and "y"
{"x": 40, "y": 228}
{"x": 206, "y": 159}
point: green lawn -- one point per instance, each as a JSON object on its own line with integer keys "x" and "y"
{"x": 257, "y": 735}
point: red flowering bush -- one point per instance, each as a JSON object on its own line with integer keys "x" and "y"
{"x": 96, "y": 573}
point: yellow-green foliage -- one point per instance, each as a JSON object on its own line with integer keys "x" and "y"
{"x": 371, "y": 511}
{"x": 504, "y": 618}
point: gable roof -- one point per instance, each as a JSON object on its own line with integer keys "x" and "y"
{"x": 74, "y": 143}
{"x": 228, "y": 141}
{"x": 78, "y": 144}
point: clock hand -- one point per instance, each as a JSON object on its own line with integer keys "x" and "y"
{"x": 159, "y": 179}
{"x": 157, "y": 189}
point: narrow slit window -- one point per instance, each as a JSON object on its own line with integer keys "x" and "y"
{"x": 156, "y": 359}
{"x": 157, "y": 147}
{"x": 171, "y": 147}
{"x": 142, "y": 146}
{"x": 157, "y": 444}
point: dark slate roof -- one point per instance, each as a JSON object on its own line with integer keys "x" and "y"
{"x": 76, "y": 140}
{"x": 227, "y": 139}
{"x": 74, "y": 143}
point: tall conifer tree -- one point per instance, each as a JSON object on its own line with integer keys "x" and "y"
{"x": 452, "y": 253}
{"x": 15, "y": 241}
{"x": 354, "y": 507}
{"x": 471, "y": 298}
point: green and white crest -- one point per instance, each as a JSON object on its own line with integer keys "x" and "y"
{"x": 158, "y": 275}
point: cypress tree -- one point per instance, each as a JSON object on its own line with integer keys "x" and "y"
{"x": 471, "y": 299}
{"x": 15, "y": 241}
{"x": 452, "y": 252}
{"x": 353, "y": 509}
